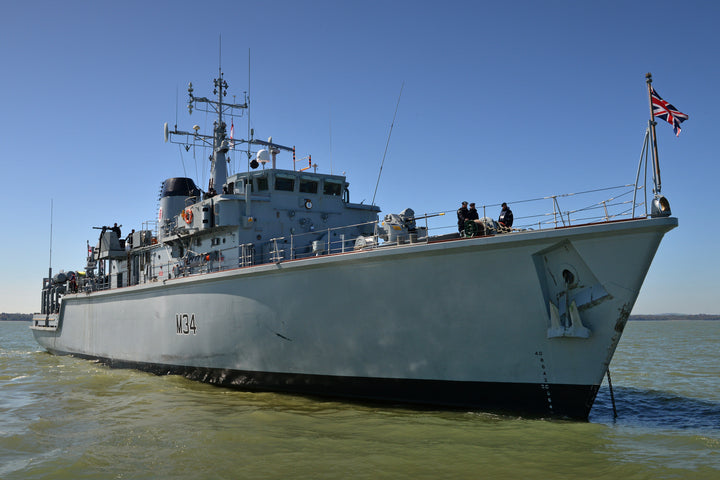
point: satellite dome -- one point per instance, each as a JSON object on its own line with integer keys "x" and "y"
{"x": 263, "y": 156}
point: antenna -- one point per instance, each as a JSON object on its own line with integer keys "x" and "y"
{"x": 330, "y": 120}
{"x": 177, "y": 93}
{"x": 388, "y": 143}
{"x": 218, "y": 141}
{"x": 247, "y": 102}
{"x": 51, "y": 232}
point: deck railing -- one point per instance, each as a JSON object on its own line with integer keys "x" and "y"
{"x": 549, "y": 212}
{"x": 567, "y": 209}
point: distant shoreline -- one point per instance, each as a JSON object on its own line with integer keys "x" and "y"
{"x": 15, "y": 317}
{"x": 675, "y": 316}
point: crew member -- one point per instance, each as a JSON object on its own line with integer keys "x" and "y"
{"x": 472, "y": 213}
{"x": 462, "y": 215}
{"x": 116, "y": 229}
{"x": 129, "y": 240}
{"x": 506, "y": 216}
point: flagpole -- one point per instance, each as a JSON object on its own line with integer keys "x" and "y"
{"x": 656, "y": 162}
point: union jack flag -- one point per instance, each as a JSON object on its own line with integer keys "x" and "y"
{"x": 667, "y": 112}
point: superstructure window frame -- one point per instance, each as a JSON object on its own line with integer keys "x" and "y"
{"x": 307, "y": 185}
{"x": 262, "y": 184}
{"x": 334, "y": 189}
{"x": 285, "y": 183}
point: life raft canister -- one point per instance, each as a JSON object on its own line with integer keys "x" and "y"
{"x": 187, "y": 215}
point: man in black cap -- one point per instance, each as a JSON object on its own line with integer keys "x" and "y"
{"x": 462, "y": 215}
{"x": 116, "y": 229}
{"x": 506, "y": 216}
{"x": 472, "y": 212}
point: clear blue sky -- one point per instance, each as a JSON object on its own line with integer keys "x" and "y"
{"x": 502, "y": 100}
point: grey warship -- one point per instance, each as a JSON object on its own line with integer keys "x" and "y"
{"x": 273, "y": 280}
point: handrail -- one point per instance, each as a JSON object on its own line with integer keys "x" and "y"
{"x": 285, "y": 247}
{"x": 296, "y": 246}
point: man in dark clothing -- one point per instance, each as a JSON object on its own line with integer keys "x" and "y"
{"x": 129, "y": 240}
{"x": 472, "y": 213}
{"x": 506, "y": 216}
{"x": 462, "y": 215}
{"x": 116, "y": 229}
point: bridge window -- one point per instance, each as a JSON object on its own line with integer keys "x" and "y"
{"x": 308, "y": 186}
{"x": 332, "y": 188}
{"x": 284, "y": 184}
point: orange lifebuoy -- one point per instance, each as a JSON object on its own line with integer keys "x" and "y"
{"x": 187, "y": 215}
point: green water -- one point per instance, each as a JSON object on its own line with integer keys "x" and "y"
{"x": 65, "y": 418}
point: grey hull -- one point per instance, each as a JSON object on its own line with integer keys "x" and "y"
{"x": 466, "y": 323}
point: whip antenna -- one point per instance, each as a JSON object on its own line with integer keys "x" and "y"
{"x": 177, "y": 96}
{"x": 250, "y": 132}
{"x": 51, "y": 232}
{"x": 387, "y": 143}
{"x": 330, "y": 126}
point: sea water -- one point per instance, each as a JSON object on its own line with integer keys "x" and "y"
{"x": 67, "y": 418}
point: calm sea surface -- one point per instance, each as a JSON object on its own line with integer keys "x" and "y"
{"x": 65, "y": 418}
